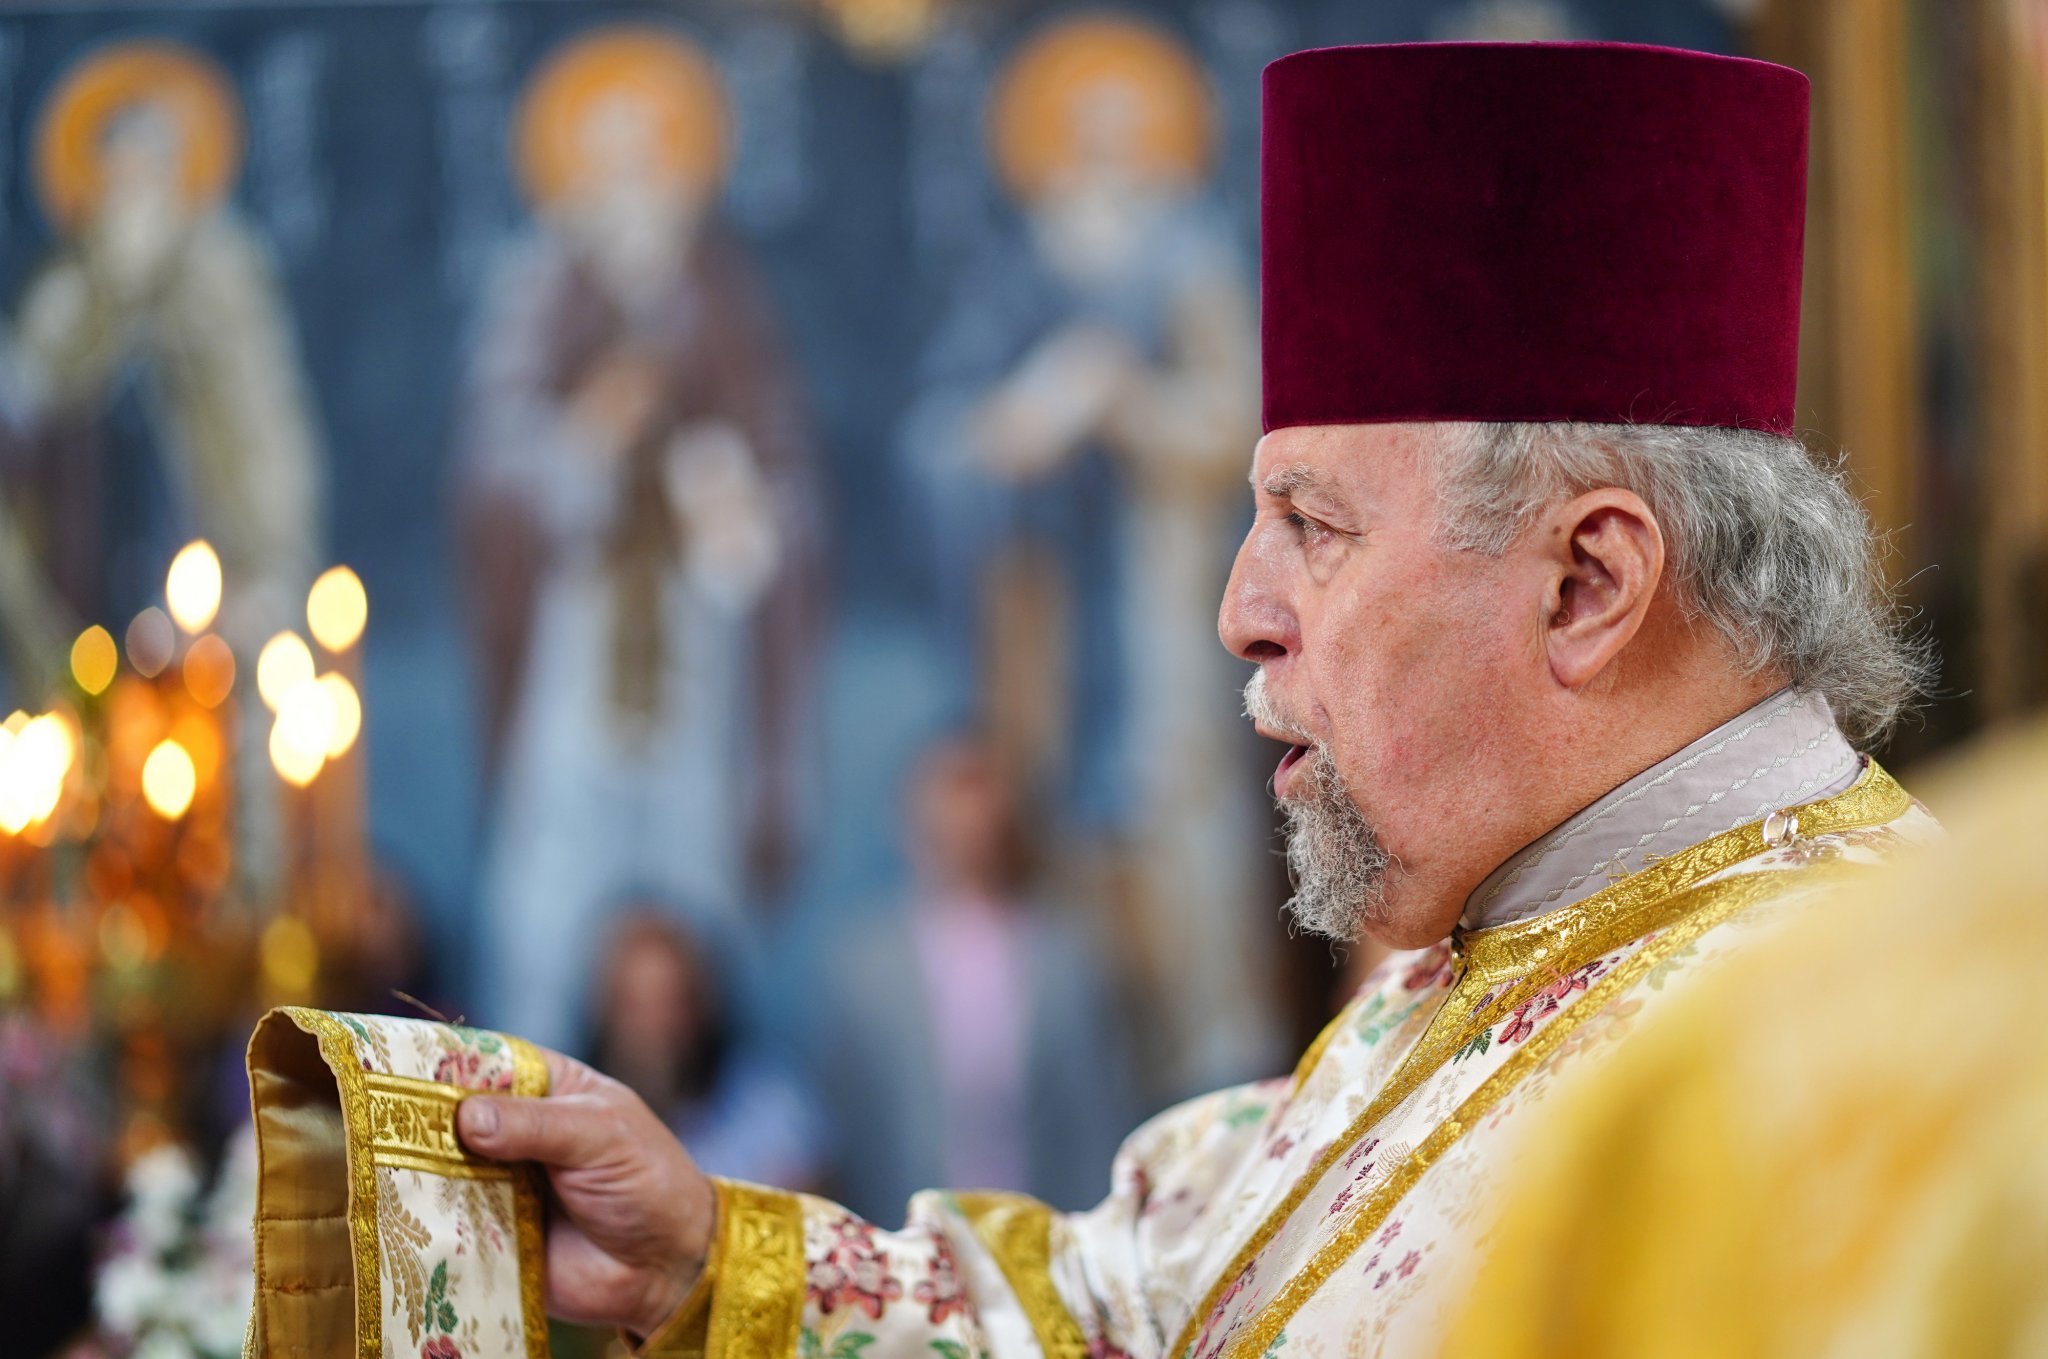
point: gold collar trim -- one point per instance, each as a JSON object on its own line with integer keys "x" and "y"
{"x": 1574, "y": 935}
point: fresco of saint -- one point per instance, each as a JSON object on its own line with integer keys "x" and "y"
{"x": 156, "y": 289}
{"x": 639, "y": 526}
{"x": 155, "y": 335}
{"x": 1100, "y": 386}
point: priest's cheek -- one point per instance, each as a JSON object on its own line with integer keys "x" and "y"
{"x": 1418, "y": 699}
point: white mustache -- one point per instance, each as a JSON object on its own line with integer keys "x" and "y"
{"x": 1260, "y": 708}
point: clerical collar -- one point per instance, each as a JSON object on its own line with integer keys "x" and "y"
{"x": 1784, "y": 751}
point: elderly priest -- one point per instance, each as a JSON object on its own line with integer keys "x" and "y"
{"x": 1571, "y": 644}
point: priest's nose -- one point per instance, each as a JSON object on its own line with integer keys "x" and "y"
{"x": 1255, "y": 622}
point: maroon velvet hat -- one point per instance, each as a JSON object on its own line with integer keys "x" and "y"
{"x": 1539, "y": 231}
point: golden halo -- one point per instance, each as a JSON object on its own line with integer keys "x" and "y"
{"x": 117, "y": 77}
{"x": 667, "y": 73}
{"x": 1032, "y": 126}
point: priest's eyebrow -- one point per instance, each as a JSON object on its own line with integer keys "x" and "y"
{"x": 1282, "y": 482}
{"x": 1296, "y": 480}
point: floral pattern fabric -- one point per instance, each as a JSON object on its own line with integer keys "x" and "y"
{"x": 448, "y": 1246}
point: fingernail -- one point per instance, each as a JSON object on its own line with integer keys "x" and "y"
{"x": 480, "y": 1118}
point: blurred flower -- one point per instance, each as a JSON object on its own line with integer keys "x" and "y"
{"x": 177, "y": 1281}
{"x": 163, "y": 1345}
{"x": 131, "y": 1288}
{"x": 233, "y": 1202}
{"x": 161, "y": 1187}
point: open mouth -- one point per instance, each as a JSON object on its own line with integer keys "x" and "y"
{"x": 1297, "y": 748}
{"x": 1293, "y": 757}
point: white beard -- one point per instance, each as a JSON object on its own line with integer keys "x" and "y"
{"x": 1334, "y": 858}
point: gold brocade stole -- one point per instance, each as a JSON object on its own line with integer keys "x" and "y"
{"x": 1496, "y": 970}
{"x": 325, "y": 1125}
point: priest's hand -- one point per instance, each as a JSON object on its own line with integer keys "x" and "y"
{"x": 632, "y": 1215}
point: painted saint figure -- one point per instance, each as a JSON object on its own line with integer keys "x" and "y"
{"x": 638, "y": 524}
{"x": 156, "y": 287}
{"x": 1082, "y": 433}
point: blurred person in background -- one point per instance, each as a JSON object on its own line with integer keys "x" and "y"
{"x": 638, "y": 526}
{"x": 663, "y": 1022}
{"x": 968, "y": 1032}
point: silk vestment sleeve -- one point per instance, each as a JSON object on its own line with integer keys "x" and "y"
{"x": 968, "y": 1273}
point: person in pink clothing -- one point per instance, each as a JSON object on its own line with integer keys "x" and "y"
{"x": 963, "y": 1013}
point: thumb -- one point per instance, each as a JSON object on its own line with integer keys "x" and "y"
{"x": 564, "y": 1130}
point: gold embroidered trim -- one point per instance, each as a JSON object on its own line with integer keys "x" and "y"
{"x": 338, "y": 1050}
{"x": 412, "y": 1127}
{"x": 1550, "y": 945}
{"x": 757, "y": 1307}
{"x": 1609, "y": 918}
{"x": 1017, "y": 1231}
{"x": 1513, "y": 962}
{"x": 1506, "y": 965}
{"x": 1712, "y": 904}
{"x": 530, "y": 1081}
{"x": 529, "y": 1069}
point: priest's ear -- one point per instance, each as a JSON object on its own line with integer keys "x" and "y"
{"x": 1605, "y": 557}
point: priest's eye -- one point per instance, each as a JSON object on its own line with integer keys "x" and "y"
{"x": 1307, "y": 529}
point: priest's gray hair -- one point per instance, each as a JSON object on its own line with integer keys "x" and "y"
{"x": 1761, "y": 539}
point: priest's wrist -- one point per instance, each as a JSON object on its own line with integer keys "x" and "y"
{"x": 672, "y": 1288}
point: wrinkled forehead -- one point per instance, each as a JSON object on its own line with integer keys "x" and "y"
{"x": 1353, "y": 461}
